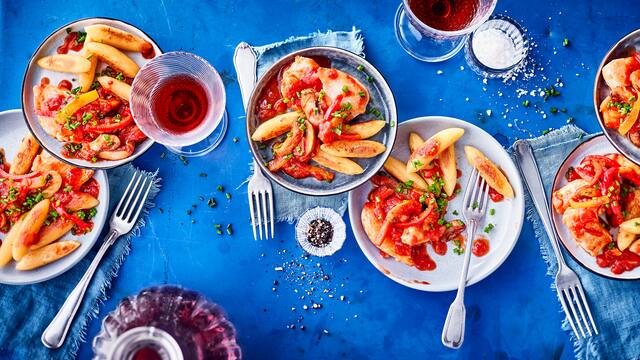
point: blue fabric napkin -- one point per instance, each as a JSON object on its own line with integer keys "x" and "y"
{"x": 27, "y": 310}
{"x": 614, "y": 303}
{"x": 289, "y": 206}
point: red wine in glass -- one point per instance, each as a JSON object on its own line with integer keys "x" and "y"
{"x": 180, "y": 104}
{"x": 446, "y": 15}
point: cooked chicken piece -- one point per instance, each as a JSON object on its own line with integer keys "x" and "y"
{"x": 300, "y": 75}
{"x": 632, "y": 207}
{"x": 337, "y": 83}
{"x": 635, "y": 80}
{"x": 586, "y": 229}
{"x": 560, "y": 199}
{"x": 104, "y": 142}
{"x": 372, "y": 226}
{"x": 73, "y": 176}
{"x": 309, "y": 105}
{"x": 616, "y": 72}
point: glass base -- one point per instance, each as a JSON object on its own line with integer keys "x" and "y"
{"x": 423, "y": 47}
{"x": 208, "y": 144}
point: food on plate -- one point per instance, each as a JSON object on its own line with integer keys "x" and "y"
{"x": 93, "y": 119}
{"x": 620, "y": 110}
{"x": 29, "y": 147}
{"x": 41, "y": 205}
{"x": 398, "y": 170}
{"x": 600, "y": 199}
{"x": 490, "y": 173}
{"x": 308, "y": 112}
{"x": 430, "y": 149}
{"x": 449, "y": 169}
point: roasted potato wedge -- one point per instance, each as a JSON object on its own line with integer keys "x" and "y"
{"x": 424, "y": 155}
{"x": 46, "y": 255}
{"x": 635, "y": 247}
{"x": 339, "y": 164}
{"x": 75, "y": 105}
{"x": 114, "y": 58}
{"x": 275, "y": 126}
{"x": 489, "y": 171}
{"x": 67, "y": 63}
{"x": 27, "y": 151}
{"x": 365, "y": 129}
{"x": 354, "y": 149}
{"x": 86, "y": 78}
{"x": 117, "y": 38}
{"x": 120, "y": 88}
{"x": 631, "y": 226}
{"x": 415, "y": 141}
{"x": 624, "y": 239}
{"x": 28, "y": 233}
{"x": 52, "y": 232}
{"x": 449, "y": 171}
{"x": 6, "y": 249}
{"x": 81, "y": 201}
{"x": 398, "y": 170}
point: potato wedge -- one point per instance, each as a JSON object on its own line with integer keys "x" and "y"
{"x": 631, "y": 226}
{"x": 415, "y": 141}
{"x": 46, "y": 255}
{"x": 449, "y": 170}
{"x": 28, "y": 233}
{"x": 354, "y": 149}
{"x": 75, "y": 105}
{"x": 489, "y": 171}
{"x": 624, "y": 239}
{"x": 365, "y": 129}
{"x": 339, "y": 164}
{"x": 27, "y": 151}
{"x": 635, "y": 247}
{"x": 120, "y": 88}
{"x": 81, "y": 201}
{"x": 6, "y": 249}
{"x": 398, "y": 170}
{"x": 67, "y": 63}
{"x": 431, "y": 148}
{"x": 275, "y": 126}
{"x": 86, "y": 78}
{"x": 52, "y": 232}
{"x": 117, "y": 38}
{"x": 114, "y": 58}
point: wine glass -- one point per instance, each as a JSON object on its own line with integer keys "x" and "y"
{"x": 178, "y": 100}
{"x": 426, "y": 43}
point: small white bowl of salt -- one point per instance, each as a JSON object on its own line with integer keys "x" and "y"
{"x": 498, "y": 48}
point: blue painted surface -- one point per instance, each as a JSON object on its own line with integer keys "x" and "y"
{"x": 511, "y": 314}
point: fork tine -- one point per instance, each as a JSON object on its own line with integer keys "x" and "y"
{"x": 468, "y": 194}
{"x": 566, "y": 311}
{"x": 579, "y": 305}
{"x": 142, "y": 201}
{"x": 253, "y": 220}
{"x": 138, "y": 192}
{"x": 256, "y": 196}
{"x": 271, "y": 214}
{"x": 263, "y": 199}
{"x": 129, "y": 195}
{"x": 586, "y": 306}
{"x": 126, "y": 192}
{"x": 485, "y": 194}
{"x": 577, "y": 319}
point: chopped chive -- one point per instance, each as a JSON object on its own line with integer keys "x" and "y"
{"x": 565, "y": 42}
{"x": 360, "y": 67}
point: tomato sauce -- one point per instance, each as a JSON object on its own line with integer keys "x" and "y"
{"x": 480, "y": 247}
{"x": 270, "y": 103}
{"x": 495, "y": 196}
{"x": 440, "y": 247}
{"x": 421, "y": 259}
{"x": 74, "y": 41}
{"x": 618, "y": 261}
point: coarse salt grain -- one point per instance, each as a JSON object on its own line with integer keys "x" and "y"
{"x": 495, "y": 49}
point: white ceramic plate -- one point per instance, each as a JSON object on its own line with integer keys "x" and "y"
{"x": 34, "y": 74}
{"x": 12, "y": 130}
{"x": 508, "y": 218}
{"x": 598, "y": 145}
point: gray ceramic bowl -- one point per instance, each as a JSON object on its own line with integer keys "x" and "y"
{"x": 34, "y": 74}
{"x": 380, "y": 98}
{"x": 622, "y": 48}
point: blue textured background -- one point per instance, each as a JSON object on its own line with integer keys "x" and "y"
{"x": 511, "y": 314}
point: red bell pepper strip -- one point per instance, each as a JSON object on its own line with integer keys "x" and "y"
{"x": 6, "y": 175}
{"x": 421, "y": 218}
{"x": 81, "y": 225}
{"x": 335, "y": 105}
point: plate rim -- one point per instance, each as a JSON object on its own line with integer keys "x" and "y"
{"x": 109, "y": 164}
{"x": 427, "y": 287}
{"x": 97, "y": 228}
{"x": 556, "y": 181}
{"x": 596, "y": 90}
{"x": 383, "y": 157}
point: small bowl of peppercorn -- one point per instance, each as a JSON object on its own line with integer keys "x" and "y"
{"x": 321, "y": 231}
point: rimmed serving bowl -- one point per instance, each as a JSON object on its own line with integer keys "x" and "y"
{"x": 623, "y": 48}
{"x": 33, "y": 75}
{"x": 381, "y": 98}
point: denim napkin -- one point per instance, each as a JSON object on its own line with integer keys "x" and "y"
{"x": 615, "y": 304}
{"x": 27, "y": 310}
{"x": 289, "y": 206}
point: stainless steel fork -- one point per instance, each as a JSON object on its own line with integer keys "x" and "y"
{"x": 567, "y": 283}
{"x": 476, "y": 197}
{"x": 259, "y": 189}
{"x": 122, "y": 221}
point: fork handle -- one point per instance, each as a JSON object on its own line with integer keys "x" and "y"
{"x": 528, "y": 166}
{"x": 453, "y": 330}
{"x": 54, "y": 335}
